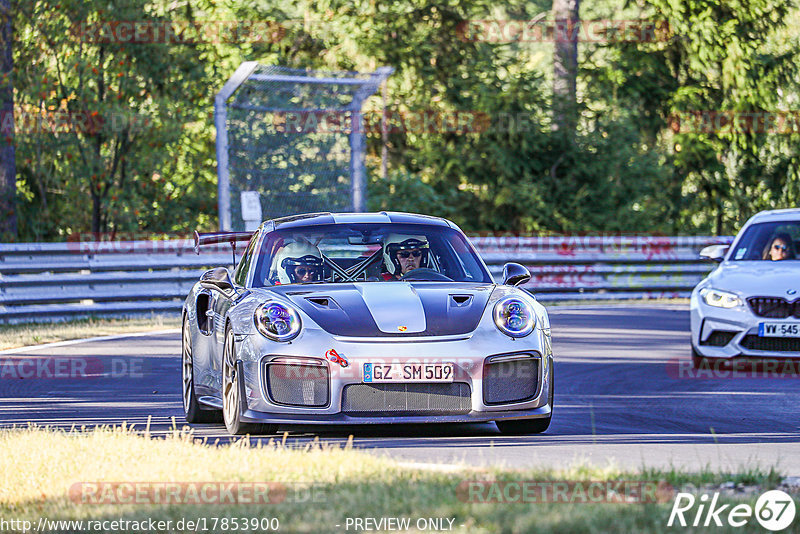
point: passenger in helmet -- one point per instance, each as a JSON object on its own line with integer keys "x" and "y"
{"x": 297, "y": 263}
{"x": 404, "y": 253}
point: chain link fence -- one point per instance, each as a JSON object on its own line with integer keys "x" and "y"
{"x": 290, "y": 141}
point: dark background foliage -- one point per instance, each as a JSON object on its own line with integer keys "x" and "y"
{"x": 626, "y": 167}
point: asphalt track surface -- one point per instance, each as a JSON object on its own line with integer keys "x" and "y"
{"x": 625, "y": 397}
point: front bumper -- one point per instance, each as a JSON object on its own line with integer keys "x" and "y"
{"x": 729, "y": 333}
{"x": 468, "y": 353}
{"x": 254, "y": 416}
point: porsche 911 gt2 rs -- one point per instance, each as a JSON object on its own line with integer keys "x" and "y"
{"x": 363, "y": 318}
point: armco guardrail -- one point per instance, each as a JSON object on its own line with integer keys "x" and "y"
{"x": 603, "y": 267}
{"x": 51, "y": 281}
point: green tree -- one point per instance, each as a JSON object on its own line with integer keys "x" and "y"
{"x": 115, "y": 132}
{"x": 721, "y": 59}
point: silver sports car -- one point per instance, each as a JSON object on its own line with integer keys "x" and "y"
{"x": 361, "y": 318}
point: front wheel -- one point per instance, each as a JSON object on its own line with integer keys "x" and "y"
{"x": 233, "y": 397}
{"x": 519, "y": 427}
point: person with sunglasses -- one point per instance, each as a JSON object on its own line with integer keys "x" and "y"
{"x": 298, "y": 263}
{"x": 404, "y": 253}
{"x": 780, "y": 248}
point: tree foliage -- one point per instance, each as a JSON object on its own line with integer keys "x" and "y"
{"x": 137, "y": 152}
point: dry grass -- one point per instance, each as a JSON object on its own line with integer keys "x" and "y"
{"x": 24, "y": 334}
{"x": 327, "y": 484}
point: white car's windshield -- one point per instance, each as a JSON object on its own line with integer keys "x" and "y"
{"x": 367, "y": 253}
{"x": 769, "y": 241}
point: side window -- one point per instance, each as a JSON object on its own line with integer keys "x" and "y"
{"x": 244, "y": 264}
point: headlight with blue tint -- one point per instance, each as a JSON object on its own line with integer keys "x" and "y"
{"x": 719, "y": 298}
{"x": 277, "y": 321}
{"x": 514, "y": 317}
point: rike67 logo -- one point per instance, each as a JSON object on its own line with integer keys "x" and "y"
{"x": 774, "y": 510}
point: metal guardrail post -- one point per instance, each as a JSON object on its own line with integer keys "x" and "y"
{"x": 220, "y": 122}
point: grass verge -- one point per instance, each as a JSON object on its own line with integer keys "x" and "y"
{"x": 56, "y": 475}
{"x": 24, "y": 334}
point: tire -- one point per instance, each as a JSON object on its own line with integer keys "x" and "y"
{"x": 233, "y": 393}
{"x": 192, "y": 409}
{"x": 521, "y": 427}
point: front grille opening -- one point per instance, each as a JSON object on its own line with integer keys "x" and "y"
{"x": 718, "y": 338}
{"x": 773, "y": 307}
{"x": 406, "y": 399}
{"x": 297, "y": 385}
{"x": 512, "y": 381}
{"x": 771, "y": 344}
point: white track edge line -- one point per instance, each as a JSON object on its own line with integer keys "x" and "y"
{"x": 88, "y": 340}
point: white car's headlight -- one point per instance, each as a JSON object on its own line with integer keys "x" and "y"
{"x": 719, "y": 298}
{"x": 514, "y": 317}
{"x": 277, "y": 321}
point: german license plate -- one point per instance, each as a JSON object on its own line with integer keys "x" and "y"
{"x": 407, "y": 372}
{"x": 779, "y": 330}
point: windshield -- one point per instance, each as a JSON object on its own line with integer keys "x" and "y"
{"x": 367, "y": 253}
{"x": 772, "y": 241}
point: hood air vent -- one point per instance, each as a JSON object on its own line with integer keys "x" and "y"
{"x": 461, "y": 300}
{"x": 325, "y": 303}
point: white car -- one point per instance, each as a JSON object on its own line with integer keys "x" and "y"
{"x": 750, "y": 305}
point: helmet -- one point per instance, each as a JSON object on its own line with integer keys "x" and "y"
{"x": 294, "y": 255}
{"x": 396, "y": 242}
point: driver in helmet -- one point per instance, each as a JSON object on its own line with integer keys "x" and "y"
{"x": 298, "y": 262}
{"x": 404, "y": 253}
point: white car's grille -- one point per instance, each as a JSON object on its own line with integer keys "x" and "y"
{"x": 774, "y": 307}
{"x": 771, "y": 344}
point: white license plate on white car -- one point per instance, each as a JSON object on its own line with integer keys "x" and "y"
{"x": 779, "y": 330}
{"x": 407, "y": 372}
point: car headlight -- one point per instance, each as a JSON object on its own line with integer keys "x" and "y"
{"x": 719, "y": 298}
{"x": 277, "y": 321}
{"x": 514, "y": 317}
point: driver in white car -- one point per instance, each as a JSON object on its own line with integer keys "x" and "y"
{"x": 404, "y": 253}
{"x": 779, "y": 248}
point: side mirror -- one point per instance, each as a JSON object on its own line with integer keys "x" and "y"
{"x": 515, "y": 274}
{"x": 218, "y": 279}
{"x": 715, "y": 252}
